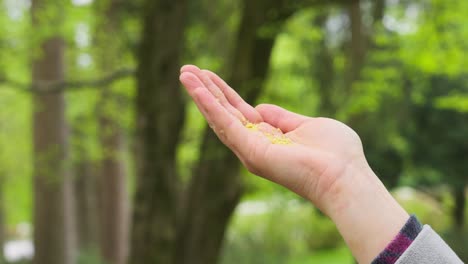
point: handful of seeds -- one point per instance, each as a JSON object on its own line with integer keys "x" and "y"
{"x": 275, "y": 138}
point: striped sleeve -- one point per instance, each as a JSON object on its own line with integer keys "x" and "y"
{"x": 400, "y": 243}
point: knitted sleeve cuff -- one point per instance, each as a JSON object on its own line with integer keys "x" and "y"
{"x": 400, "y": 243}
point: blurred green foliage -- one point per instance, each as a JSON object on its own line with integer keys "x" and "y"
{"x": 276, "y": 231}
{"x": 409, "y": 105}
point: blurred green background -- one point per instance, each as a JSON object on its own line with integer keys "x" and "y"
{"x": 104, "y": 159}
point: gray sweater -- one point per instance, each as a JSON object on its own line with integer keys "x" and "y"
{"x": 428, "y": 248}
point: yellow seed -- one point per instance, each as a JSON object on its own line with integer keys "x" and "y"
{"x": 274, "y": 139}
{"x": 281, "y": 140}
{"x": 251, "y": 126}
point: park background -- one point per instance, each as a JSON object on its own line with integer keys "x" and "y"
{"x": 104, "y": 158}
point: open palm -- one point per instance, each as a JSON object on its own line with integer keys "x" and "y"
{"x": 306, "y": 155}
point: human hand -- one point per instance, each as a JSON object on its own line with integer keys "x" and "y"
{"x": 318, "y": 158}
{"x": 307, "y": 155}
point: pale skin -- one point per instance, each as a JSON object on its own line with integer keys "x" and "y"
{"x": 324, "y": 161}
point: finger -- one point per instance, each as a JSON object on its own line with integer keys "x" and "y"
{"x": 190, "y": 81}
{"x": 235, "y": 99}
{"x": 227, "y": 127}
{"x": 280, "y": 117}
{"x": 188, "y": 67}
{"x": 195, "y": 73}
{"x": 192, "y": 84}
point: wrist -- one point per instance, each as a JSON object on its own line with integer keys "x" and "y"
{"x": 365, "y": 213}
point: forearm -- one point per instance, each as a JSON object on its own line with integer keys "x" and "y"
{"x": 365, "y": 213}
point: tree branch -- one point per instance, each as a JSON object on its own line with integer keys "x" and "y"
{"x": 13, "y": 84}
{"x": 54, "y": 87}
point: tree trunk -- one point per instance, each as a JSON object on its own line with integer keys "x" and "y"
{"x": 324, "y": 70}
{"x": 85, "y": 185}
{"x": 86, "y": 206}
{"x": 360, "y": 41}
{"x": 53, "y": 214}
{"x": 378, "y": 11}
{"x": 458, "y": 212}
{"x": 114, "y": 202}
{"x": 357, "y": 45}
{"x": 113, "y": 199}
{"x": 216, "y": 186}
{"x": 160, "y": 118}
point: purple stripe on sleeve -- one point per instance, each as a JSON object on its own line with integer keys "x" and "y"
{"x": 400, "y": 243}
